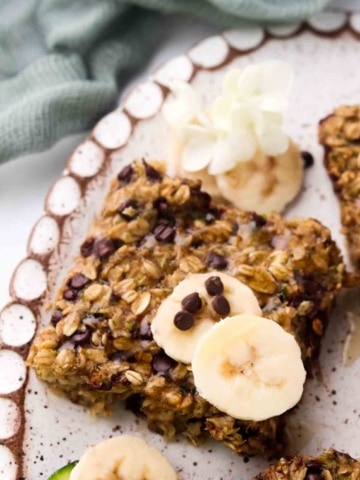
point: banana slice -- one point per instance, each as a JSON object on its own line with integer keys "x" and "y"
{"x": 264, "y": 184}
{"x": 180, "y": 344}
{"x": 123, "y": 458}
{"x": 249, "y": 367}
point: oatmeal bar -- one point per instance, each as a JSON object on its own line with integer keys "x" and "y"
{"x": 330, "y": 465}
{"x": 340, "y": 135}
{"x": 152, "y": 232}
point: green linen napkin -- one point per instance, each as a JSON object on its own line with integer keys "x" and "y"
{"x": 62, "y": 62}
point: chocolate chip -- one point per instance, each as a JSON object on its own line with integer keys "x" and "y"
{"x": 163, "y": 208}
{"x": 313, "y": 466}
{"x": 214, "y": 286}
{"x": 102, "y": 386}
{"x": 183, "y": 320}
{"x": 221, "y": 305}
{"x": 70, "y": 294}
{"x": 145, "y": 330}
{"x": 125, "y": 175}
{"x": 151, "y": 173}
{"x": 56, "y": 317}
{"x": 161, "y": 363}
{"x": 79, "y": 338}
{"x": 217, "y": 261}
{"x": 212, "y": 214}
{"x": 259, "y": 220}
{"x": 202, "y": 200}
{"x": 128, "y": 209}
{"x": 308, "y": 159}
{"x": 164, "y": 233}
{"x": 104, "y": 247}
{"x": 313, "y": 476}
{"x": 123, "y": 356}
{"x": 87, "y": 247}
{"x": 78, "y": 281}
{"x": 192, "y": 302}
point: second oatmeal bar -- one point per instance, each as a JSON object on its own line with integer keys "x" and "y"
{"x": 152, "y": 232}
{"x": 340, "y": 135}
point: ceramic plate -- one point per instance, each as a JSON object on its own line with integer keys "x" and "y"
{"x": 40, "y": 431}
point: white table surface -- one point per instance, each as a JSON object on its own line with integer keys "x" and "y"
{"x": 25, "y": 181}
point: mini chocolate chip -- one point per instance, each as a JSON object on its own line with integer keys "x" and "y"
{"x": 214, "y": 286}
{"x": 161, "y": 363}
{"x": 192, "y": 302}
{"x": 127, "y": 208}
{"x": 125, "y": 175}
{"x": 313, "y": 466}
{"x": 134, "y": 404}
{"x": 105, "y": 387}
{"x": 259, "y": 220}
{"x": 151, "y": 173}
{"x": 201, "y": 200}
{"x": 87, "y": 247}
{"x": 56, "y": 317}
{"x": 217, "y": 261}
{"x": 104, "y": 247}
{"x": 79, "y": 338}
{"x": 70, "y": 294}
{"x": 163, "y": 208}
{"x": 78, "y": 281}
{"x": 308, "y": 159}
{"x": 123, "y": 356}
{"x": 313, "y": 476}
{"x": 164, "y": 233}
{"x": 209, "y": 217}
{"x": 145, "y": 330}
{"x": 212, "y": 214}
{"x": 183, "y": 320}
{"x": 221, "y": 305}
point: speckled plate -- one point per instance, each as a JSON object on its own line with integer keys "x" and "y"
{"x": 39, "y": 431}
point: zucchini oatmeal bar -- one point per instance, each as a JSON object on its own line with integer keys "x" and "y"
{"x": 340, "y": 135}
{"x": 330, "y": 465}
{"x": 153, "y": 232}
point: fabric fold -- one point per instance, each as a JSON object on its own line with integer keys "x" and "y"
{"x": 63, "y": 62}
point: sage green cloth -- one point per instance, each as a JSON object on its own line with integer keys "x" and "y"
{"x": 62, "y": 62}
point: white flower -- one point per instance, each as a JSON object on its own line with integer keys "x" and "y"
{"x": 247, "y": 117}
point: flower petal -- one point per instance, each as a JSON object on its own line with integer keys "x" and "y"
{"x": 238, "y": 146}
{"x": 273, "y": 141}
{"x": 198, "y": 151}
{"x": 276, "y": 77}
{"x": 246, "y": 115}
{"x": 272, "y": 78}
{"x": 221, "y": 111}
{"x": 182, "y": 106}
{"x": 230, "y": 83}
{"x": 273, "y": 103}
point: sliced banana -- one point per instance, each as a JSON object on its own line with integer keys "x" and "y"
{"x": 123, "y": 458}
{"x": 264, "y": 184}
{"x": 249, "y": 367}
{"x": 179, "y": 344}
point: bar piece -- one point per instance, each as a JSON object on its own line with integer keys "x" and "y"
{"x": 153, "y": 231}
{"x": 340, "y": 135}
{"x": 332, "y": 465}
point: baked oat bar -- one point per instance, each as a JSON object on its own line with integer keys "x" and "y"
{"x": 153, "y": 231}
{"x": 340, "y": 135}
{"x": 330, "y": 465}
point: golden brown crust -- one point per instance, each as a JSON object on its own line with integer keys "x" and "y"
{"x": 340, "y": 135}
{"x": 99, "y": 347}
{"x": 330, "y": 465}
